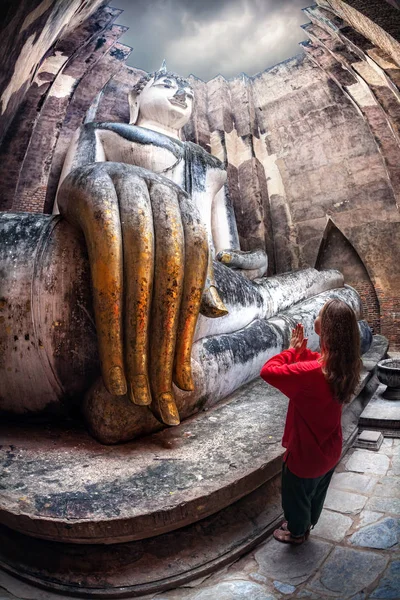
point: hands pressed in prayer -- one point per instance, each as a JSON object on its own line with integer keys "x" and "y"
{"x": 298, "y": 341}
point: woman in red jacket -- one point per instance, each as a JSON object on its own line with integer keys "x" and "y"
{"x": 317, "y": 386}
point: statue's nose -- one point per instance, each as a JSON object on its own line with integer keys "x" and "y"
{"x": 180, "y": 93}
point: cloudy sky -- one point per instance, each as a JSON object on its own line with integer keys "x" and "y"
{"x": 207, "y": 37}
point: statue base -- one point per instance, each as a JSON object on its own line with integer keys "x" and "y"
{"x": 150, "y": 515}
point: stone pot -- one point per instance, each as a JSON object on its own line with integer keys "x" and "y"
{"x": 388, "y": 372}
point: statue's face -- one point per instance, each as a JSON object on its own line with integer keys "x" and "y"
{"x": 167, "y": 102}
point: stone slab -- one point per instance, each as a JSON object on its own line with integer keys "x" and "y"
{"x": 380, "y": 412}
{"x": 58, "y": 483}
{"x": 387, "y": 446}
{"x": 370, "y": 440}
{"x": 370, "y": 436}
{"x": 353, "y": 482}
{"x": 389, "y": 585}
{"x": 349, "y": 571}
{"x": 234, "y": 590}
{"x": 382, "y": 535}
{"x": 284, "y": 588}
{"x": 389, "y": 487}
{"x": 291, "y": 564}
{"x": 344, "y": 502}
{"x": 395, "y": 467}
{"x": 368, "y": 516}
{"x": 332, "y": 526}
{"x": 365, "y": 461}
{"x": 385, "y": 505}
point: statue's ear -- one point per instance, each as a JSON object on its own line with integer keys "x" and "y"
{"x": 133, "y": 107}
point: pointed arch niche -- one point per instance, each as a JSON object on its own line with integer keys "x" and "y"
{"x": 336, "y": 252}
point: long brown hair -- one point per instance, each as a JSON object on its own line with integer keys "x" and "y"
{"x": 340, "y": 346}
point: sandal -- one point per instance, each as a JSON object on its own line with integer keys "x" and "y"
{"x": 284, "y": 527}
{"x": 286, "y": 537}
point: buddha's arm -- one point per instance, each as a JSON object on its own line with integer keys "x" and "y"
{"x": 226, "y": 239}
{"x": 224, "y": 228}
{"x": 85, "y": 148}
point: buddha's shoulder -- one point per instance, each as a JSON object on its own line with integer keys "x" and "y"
{"x": 135, "y": 134}
{"x": 202, "y": 156}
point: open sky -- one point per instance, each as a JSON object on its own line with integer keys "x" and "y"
{"x": 208, "y": 37}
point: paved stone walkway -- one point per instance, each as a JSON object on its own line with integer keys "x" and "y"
{"x": 353, "y": 553}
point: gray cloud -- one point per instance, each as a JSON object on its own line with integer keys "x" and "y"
{"x": 208, "y": 37}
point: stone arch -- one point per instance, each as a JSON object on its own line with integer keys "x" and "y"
{"x": 337, "y": 252}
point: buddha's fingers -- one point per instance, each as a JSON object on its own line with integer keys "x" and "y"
{"x": 196, "y": 262}
{"x": 87, "y": 199}
{"x": 138, "y": 244}
{"x": 167, "y": 294}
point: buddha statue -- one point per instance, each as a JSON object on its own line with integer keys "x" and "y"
{"x": 182, "y": 316}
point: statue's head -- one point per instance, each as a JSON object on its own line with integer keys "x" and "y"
{"x": 162, "y": 97}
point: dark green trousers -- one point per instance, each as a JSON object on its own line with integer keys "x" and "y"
{"x": 303, "y": 499}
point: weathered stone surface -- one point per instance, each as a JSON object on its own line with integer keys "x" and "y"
{"x": 375, "y": 20}
{"x": 360, "y": 596}
{"x": 369, "y": 436}
{"x": 369, "y": 440}
{"x": 310, "y": 595}
{"x": 284, "y": 588}
{"x": 292, "y": 565}
{"x": 389, "y": 585}
{"x": 173, "y": 557}
{"x": 349, "y": 571}
{"x": 28, "y": 34}
{"x": 387, "y": 505}
{"x": 353, "y": 482}
{"x": 345, "y": 502}
{"x": 387, "y": 446}
{"x": 389, "y": 487}
{"x": 369, "y": 516}
{"x": 395, "y": 466}
{"x": 380, "y": 412}
{"x": 383, "y": 534}
{"x": 234, "y": 590}
{"x": 332, "y": 526}
{"x": 172, "y": 464}
{"x": 364, "y": 461}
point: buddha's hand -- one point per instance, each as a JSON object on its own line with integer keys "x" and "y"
{"x": 253, "y": 263}
{"x": 148, "y": 254}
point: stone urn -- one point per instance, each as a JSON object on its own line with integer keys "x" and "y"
{"x": 388, "y": 372}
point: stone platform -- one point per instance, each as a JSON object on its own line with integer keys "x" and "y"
{"x": 215, "y": 479}
{"x": 381, "y": 413}
{"x": 60, "y": 484}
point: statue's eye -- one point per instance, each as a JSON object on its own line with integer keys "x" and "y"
{"x": 166, "y": 85}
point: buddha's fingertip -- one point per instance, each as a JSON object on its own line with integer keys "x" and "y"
{"x": 140, "y": 391}
{"x": 183, "y": 378}
{"x": 212, "y": 305}
{"x": 117, "y": 382}
{"x": 224, "y": 257}
{"x": 168, "y": 409}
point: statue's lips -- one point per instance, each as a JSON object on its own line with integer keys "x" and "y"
{"x": 176, "y": 102}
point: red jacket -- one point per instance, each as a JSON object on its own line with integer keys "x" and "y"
{"x": 313, "y": 430}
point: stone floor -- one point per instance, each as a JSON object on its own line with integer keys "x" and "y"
{"x": 352, "y": 553}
